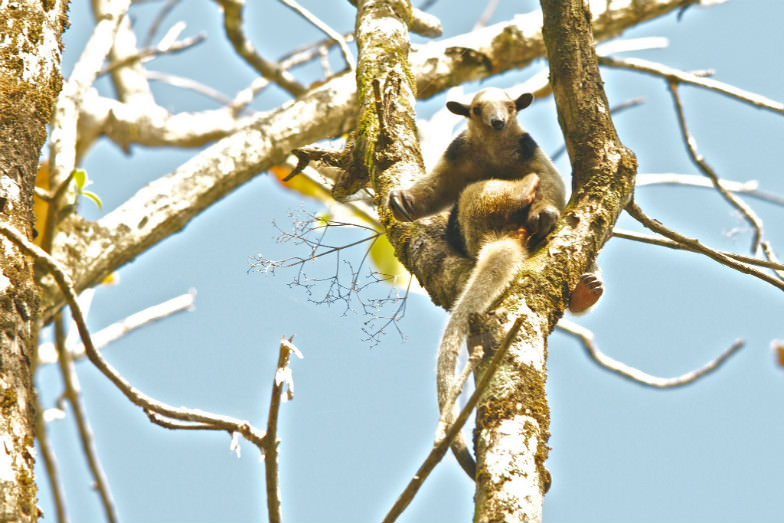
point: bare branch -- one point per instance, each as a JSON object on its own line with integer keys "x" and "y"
{"x": 663, "y": 242}
{"x": 484, "y": 18}
{"x": 190, "y": 84}
{"x": 115, "y": 331}
{"x": 218, "y": 422}
{"x": 331, "y": 33}
{"x": 156, "y": 23}
{"x": 696, "y": 246}
{"x": 441, "y": 447}
{"x": 280, "y": 383}
{"x": 750, "y": 187}
{"x": 232, "y": 23}
{"x": 73, "y": 395}
{"x": 50, "y": 462}
{"x": 589, "y": 343}
{"x": 675, "y": 75}
{"x": 699, "y": 160}
{"x": 150, "y": 52}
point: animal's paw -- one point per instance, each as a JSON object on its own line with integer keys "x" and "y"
{"x": 541, "y": 220}
{"x": 399, "y": 202}
{"x": 587, "y": 292}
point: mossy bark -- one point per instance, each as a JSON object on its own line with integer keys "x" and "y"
{"x": 29, "y": 83}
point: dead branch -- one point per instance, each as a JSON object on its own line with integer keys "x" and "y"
{"x": 147, "y": 403}
{"x": 115, "y": 331}
{"x": 588, "y": 341}
{"x": 674, "y": 75}
{"x": 283, "y": 382}
{"x": 695, "y": 245}
{"x": 324, "y": 28}
{"x": 699, "y": 160}
{"x": 232, "y": 23}
{"x": 73, "y": 394}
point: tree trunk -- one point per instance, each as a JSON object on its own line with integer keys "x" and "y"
{"x": 29, "y": 83}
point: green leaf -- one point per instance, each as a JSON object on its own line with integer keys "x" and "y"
{"x": 80, "y": 178}
{"x": 94, "y": 197}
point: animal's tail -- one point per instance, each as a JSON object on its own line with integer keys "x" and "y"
{"x": 496, "y": 265}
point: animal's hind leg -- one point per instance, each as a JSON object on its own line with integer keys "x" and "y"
{"x": 586, "y": 293}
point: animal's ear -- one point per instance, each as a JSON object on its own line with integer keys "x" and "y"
{"x": 523, "y": 101}
{"x": 458, "y": 108}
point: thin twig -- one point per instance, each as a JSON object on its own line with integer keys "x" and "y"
{"x": 115, "y": 331}
{"x": 147, "y": 53}
{"x": 232, "y": 23}
{"x": 694, "y": 245}
{"x": 156, "y": 23}
{"x": 50, "y": 462}
{"x": 484, "y": 18}
{"x": 750, "y": 187}
{"x": 280, "y": 383}
{"x": 73, "y": 395}
{"x": 439, "y": 450}
{"x": 664, "y": 242}
{"x": 188, "y": 83}
{"x": 672, "y": 74}
{"x": 62, "y": 138}
{"x": 636, "y": 375}
{"x": 327, "y": 30}
{"x": 699, "y": 160}
{"x": 248, "y": 431}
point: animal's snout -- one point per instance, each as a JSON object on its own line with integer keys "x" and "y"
{"x": 497, "y": 123}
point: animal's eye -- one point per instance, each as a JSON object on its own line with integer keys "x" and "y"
{"x": 477, "y": 110}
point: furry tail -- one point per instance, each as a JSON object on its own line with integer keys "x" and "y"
{"x": 497, "y": 264}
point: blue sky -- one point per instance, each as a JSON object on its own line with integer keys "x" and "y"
{"x": 363, "y": 416}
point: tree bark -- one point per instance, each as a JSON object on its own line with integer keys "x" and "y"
{"x": 29, "y": 83}
{"x": 513, "y": 416}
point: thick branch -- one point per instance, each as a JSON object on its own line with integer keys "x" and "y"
{"x": 328, "y": 110}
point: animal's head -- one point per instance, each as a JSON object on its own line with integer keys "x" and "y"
{"x": 492, "y": 108}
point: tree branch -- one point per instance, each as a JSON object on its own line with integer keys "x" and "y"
{"x": 699, "y": 160}
{"x": 588, "y": 341}
{"x": 674, "y": 75}
{"x": 232, "y": 23}
{"x": 695, "y": 245}
{"x": 170, "y": 202}
{"x": 215, "y": 421}
{"x": 73, "y": 395}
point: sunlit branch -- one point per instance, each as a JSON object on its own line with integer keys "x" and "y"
{"x": 232, "y": 23}
{"x": 283, "y": 383}
{"x": 326, "y": 29}
{"x": 678, "y": 76}
{"x": 589, "y": 343}
{"x": 150, "y": 52}
{"x": 115, "y": 331}
{"x": 750, "y": 187}
{"x": 156, "y": 23}
{"x": 190, "y": 84}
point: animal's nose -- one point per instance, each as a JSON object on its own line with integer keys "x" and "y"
{"x": 497, "y": 123}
